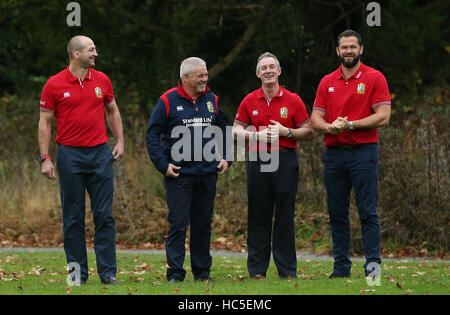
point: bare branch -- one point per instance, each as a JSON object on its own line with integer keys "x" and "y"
{"x": 243, "y": 41}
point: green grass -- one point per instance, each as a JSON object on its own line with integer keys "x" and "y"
{"x": 35, "y": 273}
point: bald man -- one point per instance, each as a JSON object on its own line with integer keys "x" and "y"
{"x": 78, "y": 97}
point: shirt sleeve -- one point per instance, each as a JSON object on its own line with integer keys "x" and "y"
{"x": 320, "y": 102}
{"x": 109, "y": 93}
{"x": 47, "y": 102}
{"x": 242, "y": 117}
{"x": 381, "y": 95}
{"x": 301, "y": 114}
{"x": 156, "y": 125}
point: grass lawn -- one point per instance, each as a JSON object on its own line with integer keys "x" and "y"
{"x": 35, "y": 273}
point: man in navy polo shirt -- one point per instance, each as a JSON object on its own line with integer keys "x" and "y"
{"x": 350, "y": 104}
{"x": 186, "y": 143}
{"x": 278, "y": 119}
{"x": 78, "y": 97}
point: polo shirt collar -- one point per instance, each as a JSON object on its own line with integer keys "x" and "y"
{"x": 73, "y": 78}
{"x": 182, "y": 92}
{"x": 339, "y": 75}
{"x": 260, "y": 92}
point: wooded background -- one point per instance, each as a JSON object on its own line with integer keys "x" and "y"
{"x": 140, "y": 46}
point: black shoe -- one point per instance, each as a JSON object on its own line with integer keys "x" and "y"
{"x": 333, "y": 276}
{"x": 110, "y": 281}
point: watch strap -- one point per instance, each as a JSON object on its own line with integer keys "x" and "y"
{"x": 351, "y": 127}
{"x": 44, "y": 157}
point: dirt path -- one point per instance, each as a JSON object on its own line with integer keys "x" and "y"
{"x": 301, "y": 256}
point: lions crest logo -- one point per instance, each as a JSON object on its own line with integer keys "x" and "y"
{"x": 98, "y": 92}
{"x": 283, "y": 112}
{"x": 210, "y": 106}
{"x": 361, "y": 88}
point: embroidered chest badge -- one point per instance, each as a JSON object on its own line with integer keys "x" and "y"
{"x": 361, "y": 88}
{"x": 98, "y": 92}
{"x": 210, "y": 106}
{"x": 283, "y": 112}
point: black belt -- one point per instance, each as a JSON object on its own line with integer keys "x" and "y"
{"x": 350, "y": 147}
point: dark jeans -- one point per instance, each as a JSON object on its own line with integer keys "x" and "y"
{"x": 190, "y": 200}
{"x": 90, "y": 169}
{"x": 270, "y": 192}
{"x": 343, "y": 170}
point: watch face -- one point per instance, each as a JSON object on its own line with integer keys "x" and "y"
{"x": 289, "y": 134}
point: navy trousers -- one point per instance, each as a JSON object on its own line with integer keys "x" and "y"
{"x": 81, "y": 170}
{"x": 344, "y": 170}
{"x": 190, "y": 200}
{"x": 270, "y": 192}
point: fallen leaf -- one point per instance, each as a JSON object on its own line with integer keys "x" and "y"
{"x": 368, "y": 290}
{"x": 136, "y": 279}
{"x": 221, "y": 240}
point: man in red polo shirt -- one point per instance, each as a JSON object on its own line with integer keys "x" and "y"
{"x": 350, "y": 104}
{"x": 273, "y": 120}
{"x": 78, "y": 97}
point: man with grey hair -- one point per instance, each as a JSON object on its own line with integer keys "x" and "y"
{"x": 190, "y": 115}
{"x": 272, "y": 119}
{"x": 188, "y": 65}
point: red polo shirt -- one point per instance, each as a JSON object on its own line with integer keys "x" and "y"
{"x": 78, "y": 106}
{"x": 355, "y": 98}
{"x": 286, "y": 107}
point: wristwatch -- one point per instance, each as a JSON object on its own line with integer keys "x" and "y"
{"x": 43, "y": 157}
{"x": 351, "y": 127}
{"x": 289, "y": 133}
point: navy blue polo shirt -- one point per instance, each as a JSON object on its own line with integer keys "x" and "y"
{"x": 187, "y": 132}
